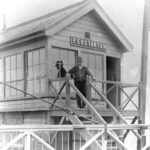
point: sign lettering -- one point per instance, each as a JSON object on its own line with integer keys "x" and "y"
{"x": 75, "y": 41}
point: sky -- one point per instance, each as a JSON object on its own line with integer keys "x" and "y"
{"x": 126, "y": 14}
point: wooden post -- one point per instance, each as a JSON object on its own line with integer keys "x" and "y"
{"x": 88, "y": 90}
{"x": 144, "y": 61}
{"x": 28, "y": 141}
{"x": 68, "y": 95}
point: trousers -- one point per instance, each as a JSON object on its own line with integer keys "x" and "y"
{"x": 81, "y": 86}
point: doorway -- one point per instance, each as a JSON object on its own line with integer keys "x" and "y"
{"x": 113, "y": 74}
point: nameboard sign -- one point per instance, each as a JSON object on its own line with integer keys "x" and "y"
{"x": 75, "y": 41}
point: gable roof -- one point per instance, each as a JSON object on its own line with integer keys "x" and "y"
{"x": 54, "y": 22}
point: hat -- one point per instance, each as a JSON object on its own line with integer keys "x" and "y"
{"x": 79, "y": 58}
{"x": 59, "y": 62}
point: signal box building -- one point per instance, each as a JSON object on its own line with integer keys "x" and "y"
{"x": 31, "y": 94}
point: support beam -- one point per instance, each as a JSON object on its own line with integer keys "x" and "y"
{"x": 42, "y": 141}
{"x": 58, "y": 94}
{"x": 125, "y": 103}
{"x": 118, "y": 140}
{"x": 56, "y": 132}
{"x": 75, "y": 120}
{"x": 16, "y": 139}
{"x": 127, "y": 132}
{"x": 90, "y": 141}
{"x": 129, "y": 99}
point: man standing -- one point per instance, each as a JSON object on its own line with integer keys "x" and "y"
{"x": 80, "y": 73}
{"x": 61, "y": 70}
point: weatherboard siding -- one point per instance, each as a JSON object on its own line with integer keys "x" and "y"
{"x": 78, "y": 28}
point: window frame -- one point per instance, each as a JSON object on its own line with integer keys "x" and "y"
{"x": 7, "y": 97}
{"x": 41, "y": 94}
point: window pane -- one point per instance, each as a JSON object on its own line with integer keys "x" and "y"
{"x": 55, "y": 54}
{"x": 91, "y": 61}
{"x": 30, "y": 60}
{"x": 13, "y": 91}
{"x": 36, "y": 58}
{"x": 19, "y": 61}
{"x": 99, "y": 74}
{"x": 42, "y": 56}
{"x": 30, "y": 86}
{"x": 99, "y": 61}
{"x": 36, "y": 86}
{"x": 36, "y": 71}
{"x": 71, "y": 58}
{"x": 20, "y": 87}
{"x": 42, "y": 70}
{"x": 7, "y": 63}
{"x": 7, "y": 90}
{"x": 63, "y": 56}
{"x": 13, "y": 75}
{"x": 43, "y": 85}
{"x": 13, "y": 62}
{"x": 19, "y": 73}
{"x": 85, "y": 60}
{"x": 93, "y": 71}
{"x": 30, "y": 72}
{"x": 7, "y": 75}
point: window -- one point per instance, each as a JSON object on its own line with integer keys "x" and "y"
{"x": 67, "y": 56}
{"x": 13, "y": 75}
{"x": 1, "y": 78}
{"x": 36, "y": 74}
{"x": 95, "y": 64}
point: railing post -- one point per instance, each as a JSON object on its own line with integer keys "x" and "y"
{"x": 140, "y": 120}
{"x": 68, "y": 95}
{"x": 104, "y": 139}
{"x": 88, "y": 90}
{"x": 28, "y": 141}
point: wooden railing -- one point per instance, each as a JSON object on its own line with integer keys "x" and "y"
{"x": 66, "y": 137}
{"x": 69, "y": 86}
{"x": 122, "y": 95}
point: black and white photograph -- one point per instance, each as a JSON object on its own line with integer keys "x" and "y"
{"x": 74, "y": 75}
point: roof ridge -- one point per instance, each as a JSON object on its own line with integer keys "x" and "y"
{"x": 46, "y": 15}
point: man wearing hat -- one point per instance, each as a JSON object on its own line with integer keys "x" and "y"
{"x": 80, "y": 73}
{"x": 61, "y": 70}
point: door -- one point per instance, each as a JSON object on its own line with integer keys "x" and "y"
{"x": 113, "y": 74}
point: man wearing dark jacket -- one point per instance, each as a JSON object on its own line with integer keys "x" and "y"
{"x": 80, "y": 73}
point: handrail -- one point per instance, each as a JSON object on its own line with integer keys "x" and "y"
{"x": 118, "y": 83}
{"x": 89, "y": 105}
{"x": 21, "y": 128}
{"x": 100, "y": 81}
